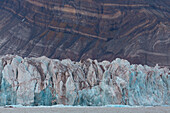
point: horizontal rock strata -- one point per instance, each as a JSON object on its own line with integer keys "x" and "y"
{"x": 44, "y": 81}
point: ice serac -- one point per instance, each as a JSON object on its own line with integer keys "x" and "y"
{"x": 44, "y": 81}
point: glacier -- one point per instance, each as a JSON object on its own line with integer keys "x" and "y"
{"x": 45, "y": 82}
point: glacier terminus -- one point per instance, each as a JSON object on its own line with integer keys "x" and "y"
{"x": 44, "y": 81}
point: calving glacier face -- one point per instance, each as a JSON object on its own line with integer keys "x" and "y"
{"x": 43, "y": 81}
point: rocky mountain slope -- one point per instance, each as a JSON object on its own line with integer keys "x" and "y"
{"x": 44, "y": 81}
{"x": 137, "y": 30}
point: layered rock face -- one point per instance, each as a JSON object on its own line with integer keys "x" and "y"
{"x": 137, "y": 30}
{"x": 44, "y": 81}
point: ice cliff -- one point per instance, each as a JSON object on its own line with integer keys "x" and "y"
{"x": 43, "y": 81}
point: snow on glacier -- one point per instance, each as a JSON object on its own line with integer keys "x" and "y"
{"x": 43, "y": 81}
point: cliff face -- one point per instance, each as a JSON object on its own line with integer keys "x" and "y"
{"x": 137, "y": 30}
{"x": 43, "y": 81}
